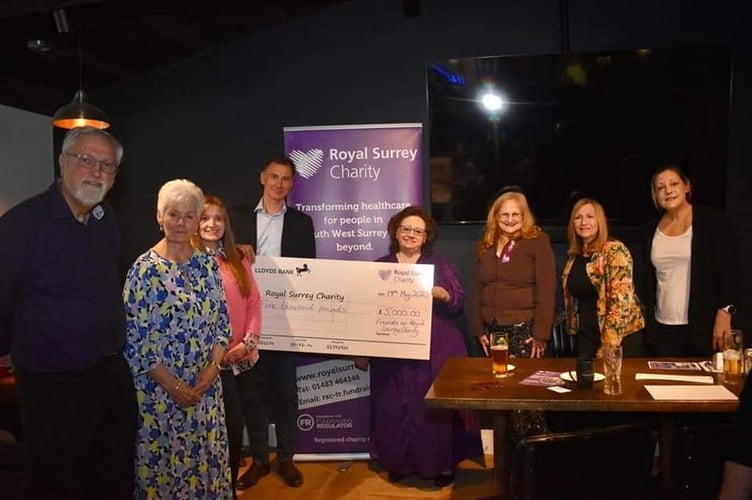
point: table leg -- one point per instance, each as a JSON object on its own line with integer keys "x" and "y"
{"x": 502, "y": 454}
{"x": 668, "y": 433}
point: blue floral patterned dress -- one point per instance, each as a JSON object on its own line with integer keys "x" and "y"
{"x": 176, "y": 314}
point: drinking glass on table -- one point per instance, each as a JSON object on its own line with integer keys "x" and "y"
{"x": 499, "y": 347}
{"x": 747, "y": 359}
{"x": 732, "y": 357}
{"x": 612, "y": 359}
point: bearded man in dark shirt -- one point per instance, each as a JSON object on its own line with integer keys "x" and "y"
{"x": 62, "y": 319}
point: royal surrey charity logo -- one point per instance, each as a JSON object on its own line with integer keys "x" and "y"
{"x": 384, "y": 274}
{"x": 307, "y": 163}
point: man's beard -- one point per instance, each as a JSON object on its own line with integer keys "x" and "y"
{"x": 89, "y": 195}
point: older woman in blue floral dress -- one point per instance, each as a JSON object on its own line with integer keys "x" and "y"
{"x": 178, "y": 331}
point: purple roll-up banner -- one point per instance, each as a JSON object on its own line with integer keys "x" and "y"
{"x": 350, "y": 179}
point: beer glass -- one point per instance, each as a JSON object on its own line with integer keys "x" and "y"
{"x": 732, "y": 357}
{"x": 612, "y": 357}
{"x": 499, "y": 347}
{"x": 747, "y": 358}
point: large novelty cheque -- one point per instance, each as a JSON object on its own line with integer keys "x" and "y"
{"x": 345, "y": 307}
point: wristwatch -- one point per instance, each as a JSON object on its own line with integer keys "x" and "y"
{"x": 731, "y": 309}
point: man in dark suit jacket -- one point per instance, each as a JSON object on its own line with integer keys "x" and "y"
{"x": 277, "y": 230}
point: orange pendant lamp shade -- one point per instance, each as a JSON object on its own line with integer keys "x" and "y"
{"x": 80, "y": 113}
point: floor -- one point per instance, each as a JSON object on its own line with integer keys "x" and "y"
{"x": 363, "y": 480}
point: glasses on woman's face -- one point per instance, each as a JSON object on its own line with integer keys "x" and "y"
{"x": 417, "y": 231}
{"x": 510, "y": 216}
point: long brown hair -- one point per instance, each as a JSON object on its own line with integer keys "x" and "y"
{"x": 232, "y": 255}
{"x": 576, "y": 246}
{"x": 492, "y": 233}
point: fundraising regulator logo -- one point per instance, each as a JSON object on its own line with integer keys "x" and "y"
{"x": 305, "y": 422}
{"x": 307, "y": 163}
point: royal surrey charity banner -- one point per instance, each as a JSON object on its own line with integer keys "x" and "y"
{"x": 350, "y": 179}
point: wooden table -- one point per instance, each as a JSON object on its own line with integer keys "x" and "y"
{"x": 467, "y": 383}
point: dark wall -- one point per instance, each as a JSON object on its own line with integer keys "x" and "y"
{"x": 216, "y": 117}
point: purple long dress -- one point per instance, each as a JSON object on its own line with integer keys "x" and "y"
{"x": 406, "y": 437}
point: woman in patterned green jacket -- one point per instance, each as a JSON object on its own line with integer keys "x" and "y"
{"x": 599, "y": 298}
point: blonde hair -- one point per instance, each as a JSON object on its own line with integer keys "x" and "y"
{"x": 492, "y": 233}
{"x": 576, "y": 246}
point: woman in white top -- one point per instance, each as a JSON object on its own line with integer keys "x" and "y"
{"x": 692, "y": 273}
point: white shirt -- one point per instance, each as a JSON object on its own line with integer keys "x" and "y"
{"x": 269, "y": 231}
{"x": 671, "y": 258}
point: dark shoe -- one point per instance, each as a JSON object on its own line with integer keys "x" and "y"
{"x": 290, "y": 474}
{"x": 395, "y": 477}
{"x": 252, "y": 475}
{"x": 443, "y": 480}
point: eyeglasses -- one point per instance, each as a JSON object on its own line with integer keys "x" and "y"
{"x": 414, "y": 230}
{"x": 89, "y": 163}
{"x": 511, "y": 216}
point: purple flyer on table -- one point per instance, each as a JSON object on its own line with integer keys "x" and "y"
{"x": 674, "y": 365}
{"x": 543, "y": 378}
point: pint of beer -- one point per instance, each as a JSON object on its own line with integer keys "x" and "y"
{"x": 732, "y": 366}
{"x": 732, "y": 357}
{"x": 499, "y": 343}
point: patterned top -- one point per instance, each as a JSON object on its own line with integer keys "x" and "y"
{"x": 176, "y": 314}
{"x": 618, "y": 308}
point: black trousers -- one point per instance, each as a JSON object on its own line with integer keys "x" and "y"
{"x": 272, "y": 396}
{"x": 79, "y": 431}
{"x": 234, "y": 388}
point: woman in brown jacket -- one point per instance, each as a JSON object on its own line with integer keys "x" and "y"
{"x": 515, "y": 289}
{"x": 515, "y": 282}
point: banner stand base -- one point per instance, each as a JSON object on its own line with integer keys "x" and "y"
{"x": 330, "y": 457}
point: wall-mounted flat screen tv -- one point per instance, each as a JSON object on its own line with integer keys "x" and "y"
{"x": 561, "y": 126}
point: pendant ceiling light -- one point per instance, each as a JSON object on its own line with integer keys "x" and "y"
{"x": 80, "y": 112}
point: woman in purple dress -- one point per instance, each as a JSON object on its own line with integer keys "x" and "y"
{"x": 407, "y": 438}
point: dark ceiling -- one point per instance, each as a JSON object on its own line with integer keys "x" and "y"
{"x": 119, "y": 39}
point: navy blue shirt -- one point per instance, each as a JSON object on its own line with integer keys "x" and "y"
{"x": 61, "y": 307}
